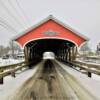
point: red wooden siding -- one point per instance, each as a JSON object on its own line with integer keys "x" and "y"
{"x": 61, "y": 31}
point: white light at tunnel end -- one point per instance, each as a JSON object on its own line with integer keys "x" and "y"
{"x": 48, "y": 55}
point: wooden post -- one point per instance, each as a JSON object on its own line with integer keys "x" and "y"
{"x": 73, "y": 53}
{"x": 69, "y": 54}
{"x": 29, "y": 52}
{"x": 89, "y": 74}
{"x": 1, "y": 79}
{"x": 13, "y": 74}
{"x": 65, "y": 54}
{"x": 26, "y": 54}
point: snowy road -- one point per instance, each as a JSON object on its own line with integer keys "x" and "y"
{"x": 52, "y": 83}
{"x": 32, "y": 84}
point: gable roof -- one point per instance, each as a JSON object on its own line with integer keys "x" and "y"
{"x": 51, "y": 17}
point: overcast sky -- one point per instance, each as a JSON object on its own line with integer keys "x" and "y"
{"x": 18, "y": 15}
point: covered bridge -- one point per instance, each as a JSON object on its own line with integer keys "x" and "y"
{"x": 50, "y": 35}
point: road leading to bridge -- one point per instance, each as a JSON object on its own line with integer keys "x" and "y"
{"x": 52, "y": 82}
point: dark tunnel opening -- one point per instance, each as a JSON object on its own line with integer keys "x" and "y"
{"x": 64, "y": 50}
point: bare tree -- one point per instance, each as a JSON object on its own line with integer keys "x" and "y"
{"x": 13, "y": 48}
{"x": 4, "y": 50}
{"x": 1, "y": 50}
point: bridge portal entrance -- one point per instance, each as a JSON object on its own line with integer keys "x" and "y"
{"x": 50, "y": 35}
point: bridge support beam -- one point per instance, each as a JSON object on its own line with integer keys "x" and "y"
{"x": 70, "y": 54}
{"x": 26, "y": 54}
{"x": 65, "y": 55}
{"x": 65, "y": 52}
{"x": 73, "y": 53}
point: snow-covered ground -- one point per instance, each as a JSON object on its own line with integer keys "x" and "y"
{"x": 9, "y": 61}
{"x": 12, "y": 84}
{"x": 96, "y": 77}
{"x": 91, "y": 84}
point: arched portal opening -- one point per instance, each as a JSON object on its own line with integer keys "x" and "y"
{"x": 64, "y": 50}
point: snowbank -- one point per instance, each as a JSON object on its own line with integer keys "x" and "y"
{"x": 10, "y": 61}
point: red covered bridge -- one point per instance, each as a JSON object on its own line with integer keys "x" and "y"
{"x": 50, "y": 35}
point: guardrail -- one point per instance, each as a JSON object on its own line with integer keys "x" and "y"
{"x": 10, "y": 70}
{"x": 89, "y": 57}
{"x": 89, "y": 67}
{"x": 2, "y": 68}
